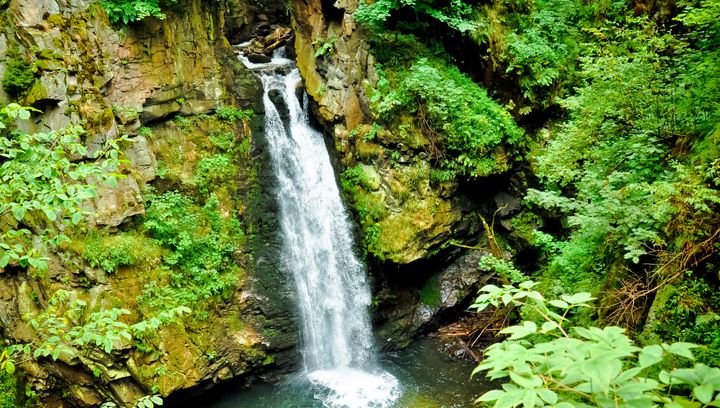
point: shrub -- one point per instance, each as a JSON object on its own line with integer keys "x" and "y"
{"x": 232, "y": 114}
{"x": 453, "y": 111}
{"x": 201, "y": 244}
{"x": 553, "y": 363}
{"x": 211, "y": 171}
{"x": 18, "y": 77}
{"x": 39, "y": 183}
{"x": 129, "y": 11}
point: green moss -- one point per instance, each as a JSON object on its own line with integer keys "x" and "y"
{"x": 8, "y": 391}
{"x": 430, "y": 293}
{"x": 55, "y": 20}
{"x": 368, "y": 151}
{"x": 112, "y": 251}
{"x": 19, "y": 76}
{"x": 356, "y": 177}
{"x": 688, "y": 311}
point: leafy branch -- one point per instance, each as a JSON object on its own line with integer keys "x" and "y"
{"x": 44, "y": 184}
{"x": 562, "y": 365}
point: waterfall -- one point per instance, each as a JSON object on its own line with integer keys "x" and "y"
{"x": 332, "y": 290}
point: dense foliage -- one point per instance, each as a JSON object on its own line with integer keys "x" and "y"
{"x": 44, "y": 185}
{"x": 127, "y": 11}
{"x": 560, "y": 365}
{"x": 634, "y": 168}
{"x": 455, "y": 114}
{"x": 631, "y": 173}
{"x": 456, "y": 14}
{"x": 627, "y": 193}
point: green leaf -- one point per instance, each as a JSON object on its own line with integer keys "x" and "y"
{"x": 548, "y": 326}
{"x": 50, "y": 214}
{"x": 650, "y": 355}
{"x": 19, "y": 213}
{"x": 704, "y": 393}
{"x": 682, "y": 349}
{"x": 559, "y": 303}
{"x": 548, "y": 396}
{"x": 492, "y": 395}
{"x": 632, "y": 390}
{"x": 156, "y": 400}
{"x": 600, "y": 371}
{"x": 9, "y": 367}
{"x": 76, "y": 217}
{"x": 527, "y": 284}
{"x": 628, "y": 374}
{"x": 530, "y": 399}
{"x": 577, "y": 298}
{"x": 517, "y": 332}
{"x": 24, "y": 114}
{"x": 4, "y": 260}
{"x": 526, "y": 380}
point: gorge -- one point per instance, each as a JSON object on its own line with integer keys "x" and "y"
{"x": 311, "y": 217}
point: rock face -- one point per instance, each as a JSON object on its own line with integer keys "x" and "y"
{"x": 407, "y": 312}
{"x": 132, "y": 81}
{"x": 418, "y": 213}
{"x": 407, "y": 216}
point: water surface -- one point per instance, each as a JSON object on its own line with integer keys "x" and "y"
{"x": 428, "y": 378}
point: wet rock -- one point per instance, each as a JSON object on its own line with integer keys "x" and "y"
{"x": 258, "y": 58}
{"x": 127, "y": 391}
{"x": 278, "y": 99}
{"x": 152, "y": 113}
{"x": 506, "y": 204}
{"x": 446, "y": 290}
{"x": 462, "y": 279}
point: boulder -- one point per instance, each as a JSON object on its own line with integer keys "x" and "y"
{"x": 113, "y": 205}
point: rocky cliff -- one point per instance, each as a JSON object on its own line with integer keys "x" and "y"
{"x": 176, "y": 88}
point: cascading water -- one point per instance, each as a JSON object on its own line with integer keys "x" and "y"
{"x": 333, "y": 294}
